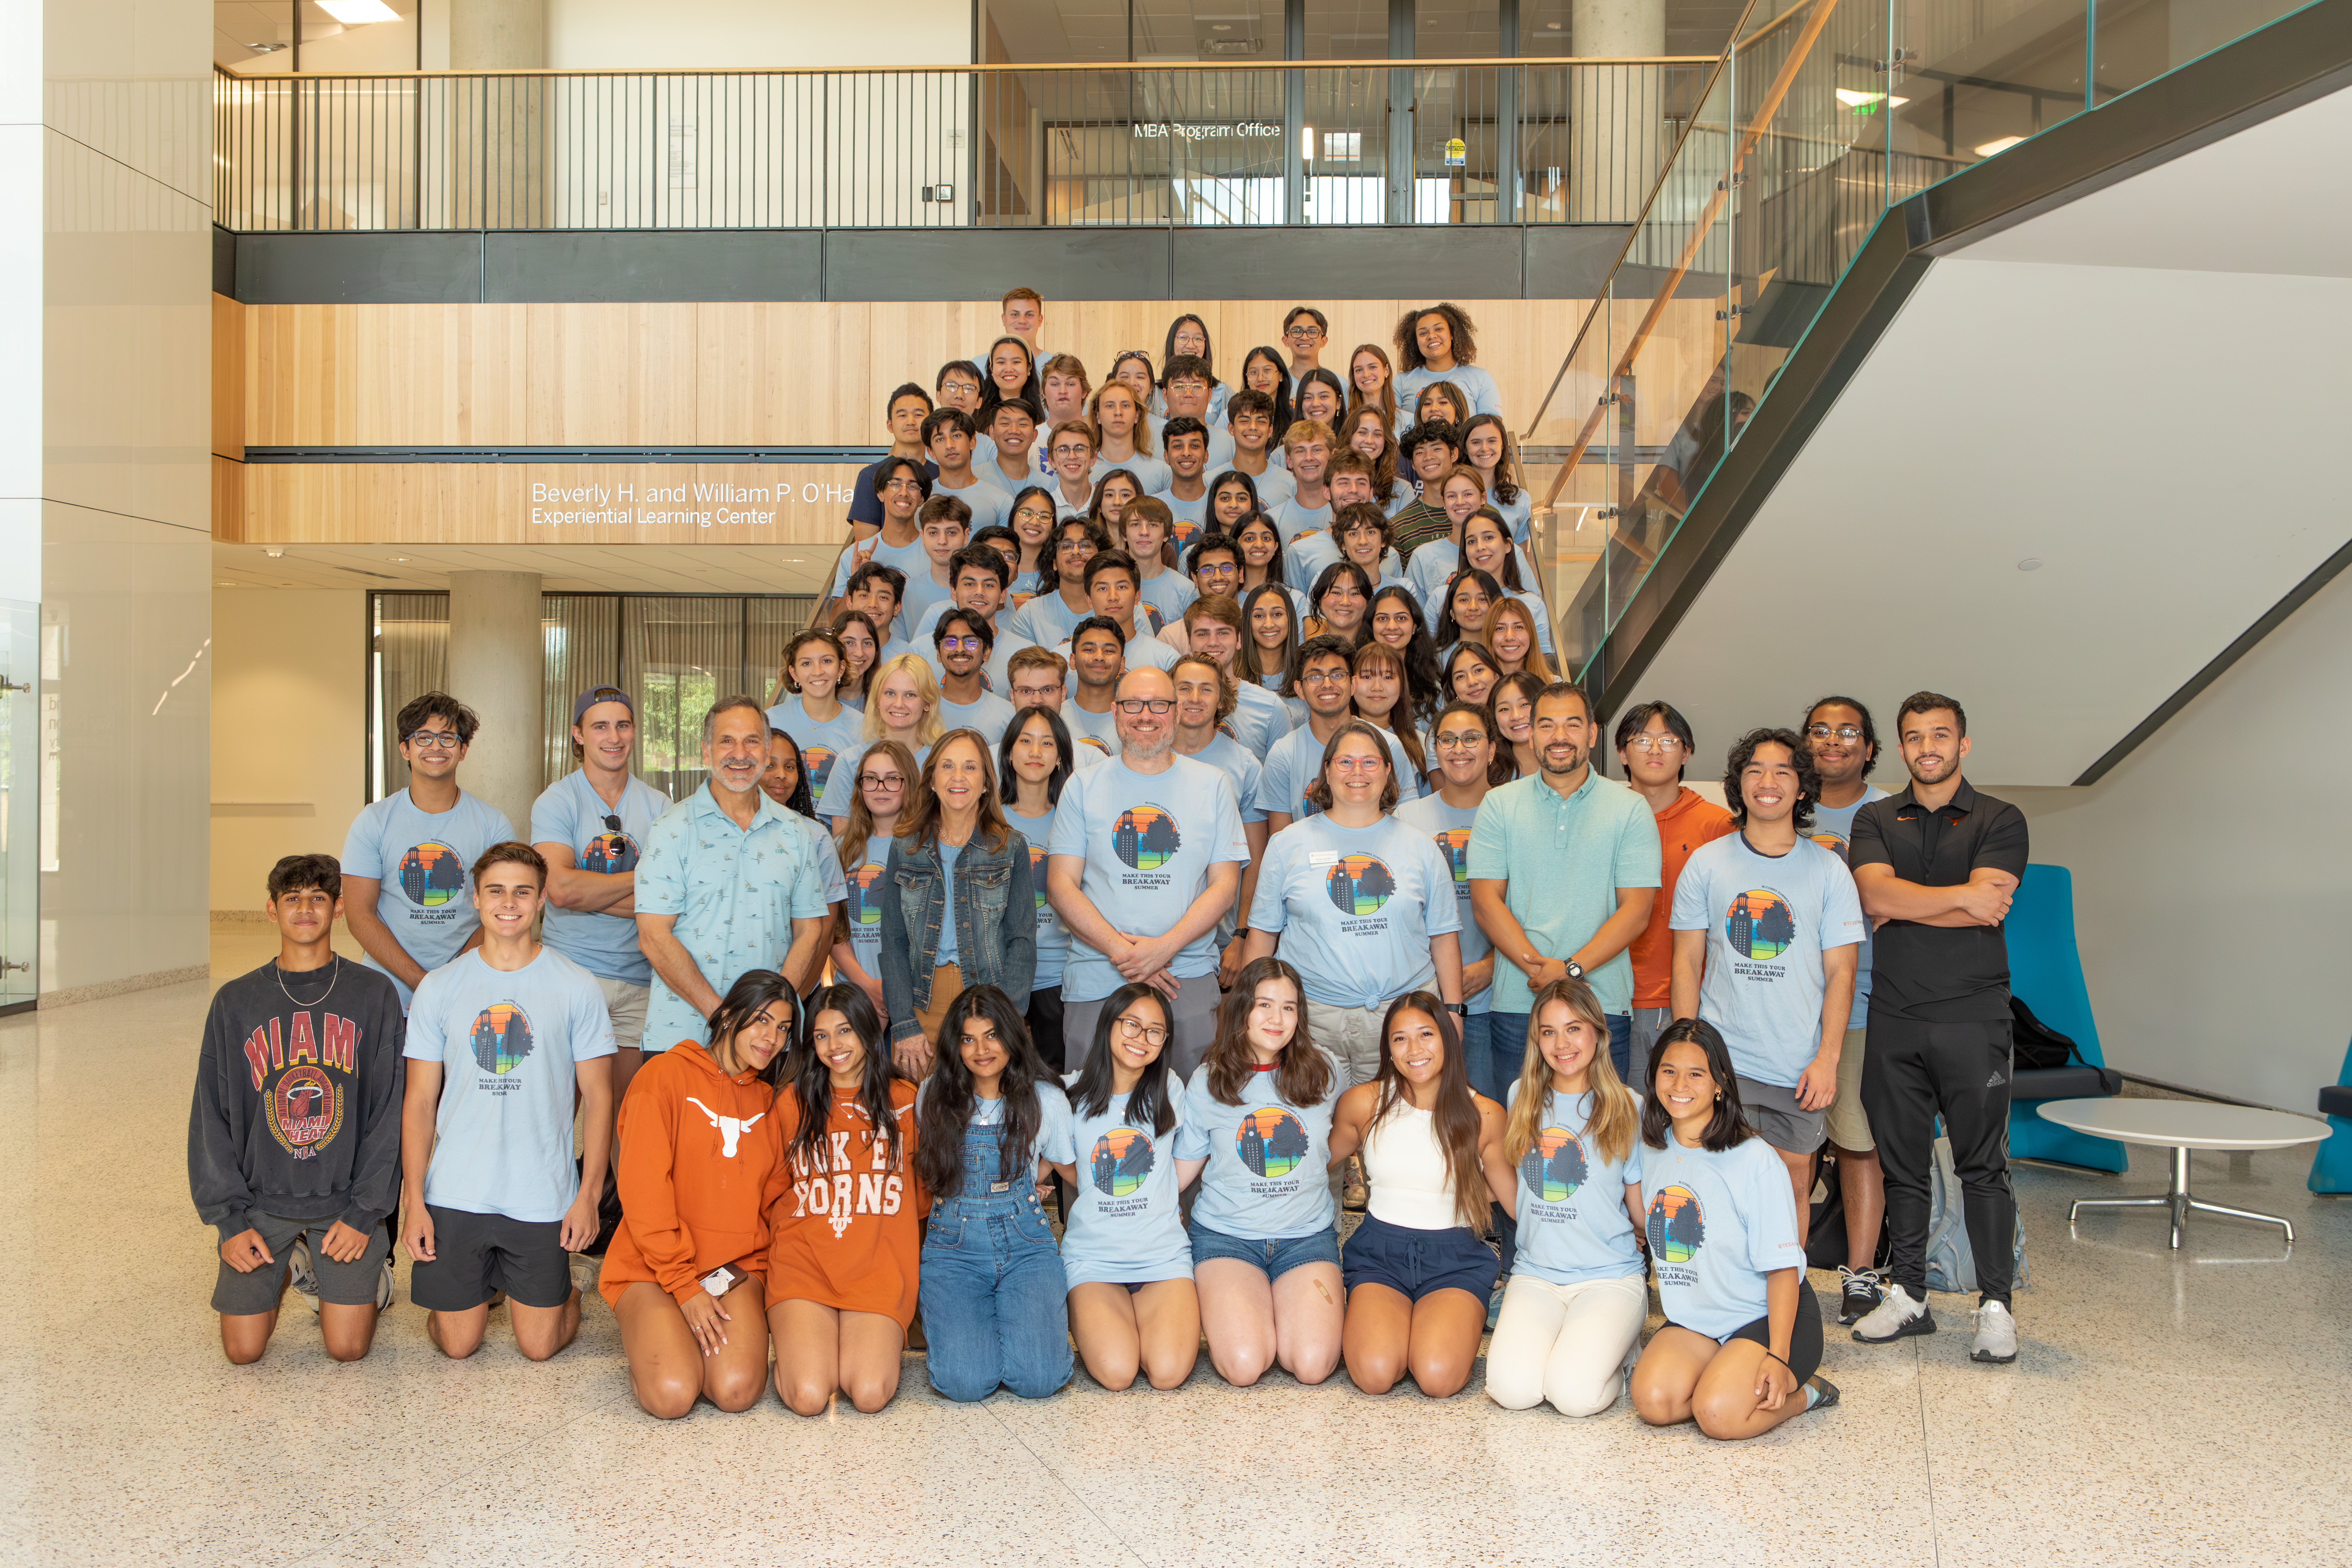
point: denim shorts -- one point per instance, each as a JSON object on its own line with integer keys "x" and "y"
{"x": 1414, "y": 1263}
{"x": 1275, "y": 1258}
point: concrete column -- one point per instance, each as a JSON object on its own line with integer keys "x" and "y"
{"x": 1616, "y": 139}
{"x": 498, "y": 35}
{"x": 496, "y": 658}
{"x": 499, "y": 150}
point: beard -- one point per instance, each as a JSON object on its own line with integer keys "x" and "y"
{"x": 1575, "y": 759}
{"x": 1942, "y": 775}
{"x": 1147, "y": 749}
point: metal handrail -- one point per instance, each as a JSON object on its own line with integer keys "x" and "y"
{"x": 994, "y": 68}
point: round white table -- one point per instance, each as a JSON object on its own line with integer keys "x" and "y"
{"x": 2181, "y": 1125}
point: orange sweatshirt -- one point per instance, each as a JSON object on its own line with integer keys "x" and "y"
{"x": 701, "y": 1162}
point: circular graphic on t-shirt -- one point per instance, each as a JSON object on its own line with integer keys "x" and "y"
{"x": 1037, "y": 874}
{"x": 305, "y": 1109}
{"x": 1145, "y": 837}
{"x": 818, "y": 761}
{"x": 865, "y": 909}
{"x": 1360, "y": 884}
{"x": 610, "y": 853}
{"x": 1675, "y": 1228}
{"x": 500, "y": 1037}
{"x": 1098, "y": 745}
{"x": 1121, "y": 1159}
{"x": 1454, "y": 845}
{"x": 1271, "y": 1141}
{"x": 1554, "y": 1165}
{"x": 1758, "y": 924}
{"x": 1832, "y": 842}
{"x": 432, "y": 874}
{"x": 1187, "y": 530}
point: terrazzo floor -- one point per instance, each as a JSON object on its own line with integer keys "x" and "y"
{"x": 2175, "y": 1408}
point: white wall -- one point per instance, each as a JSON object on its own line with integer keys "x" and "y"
{"x": 2211, "y": 873}
{"x": 602, "y": 34}
{"x": 290, "y": 670}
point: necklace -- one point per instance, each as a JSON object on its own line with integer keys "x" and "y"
{"x": 331, "y": 979}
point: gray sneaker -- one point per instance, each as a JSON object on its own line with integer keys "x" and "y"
{"x": 1898, "y": 1315}
{"x": 301, "y": 1273}
{"x": 1996, "y": 1339}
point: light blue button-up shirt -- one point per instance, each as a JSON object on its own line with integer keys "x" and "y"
{"x": 735, "y": 893}
{"x": 1564, "y": 859}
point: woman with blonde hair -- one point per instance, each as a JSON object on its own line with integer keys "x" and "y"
{"x": 1123, "y": 437}
{"x": 905, "y": 707}
{"x": 1572, "y": 1312}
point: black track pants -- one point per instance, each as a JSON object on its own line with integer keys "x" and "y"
{"x": 1911, "y": 1073}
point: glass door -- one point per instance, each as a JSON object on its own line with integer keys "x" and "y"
{"x": 20, "y": 774}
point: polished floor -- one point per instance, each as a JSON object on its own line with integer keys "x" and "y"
{"x": 2175, "y": 1408}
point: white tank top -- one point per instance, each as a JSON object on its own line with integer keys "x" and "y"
{"x": 1405, "y": 1168}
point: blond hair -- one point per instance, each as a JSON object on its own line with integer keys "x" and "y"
{"x": 928, "y": 729}
{"x": 1615, "y": 1118}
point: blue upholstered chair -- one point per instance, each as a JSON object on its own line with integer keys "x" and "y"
{"x": 2045, "y": 971}
{"x": 2331, "y": 1167}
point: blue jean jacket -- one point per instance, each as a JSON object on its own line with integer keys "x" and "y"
{"x": 991, "y": 948}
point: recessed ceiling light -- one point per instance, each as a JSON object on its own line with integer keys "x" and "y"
{"x": 1997, "y": 144}
{"x": 274, "y": 553}
{"x": 359, "y": 13}
{"x": 2030, "y": 563}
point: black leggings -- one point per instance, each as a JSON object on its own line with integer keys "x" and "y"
{"x": 1804, "y": 1339}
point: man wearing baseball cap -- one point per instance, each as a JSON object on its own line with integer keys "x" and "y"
{"x": 589, "y": 825}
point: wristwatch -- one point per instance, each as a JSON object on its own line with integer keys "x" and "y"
{"x": 1575, "y": 969}
{"x": 1459, "y": 1009}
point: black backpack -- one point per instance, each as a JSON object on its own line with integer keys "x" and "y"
{"x": 2035, "y": 1047}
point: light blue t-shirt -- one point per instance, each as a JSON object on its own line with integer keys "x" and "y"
{"x": 921, "y": 597}
{"x": 987, "y": 713}
{"x": 1046, "y": 620}
{"x": 1170, "y": 593}
{"x": 822, "y": 741}
{"x": 1717, "y": 1224}
{"x": 1267, "y": 1176}
{"x": 1562, "y": 861}
{"x": 1477, "y": 385}
{"x": 1572, "y": 1223}
{"x": 990, "y": 503}
{"x": 1293, "y": 763}
{"x": 1355, "y": 908}
{"x": 1259, "y": 720}
{"x": 1192, "y": 515}
{"x": 911, "y": 559}
{"x": 1095, "y": 733}
{"x": 1055, "y": 1142}
{"x": 1832, "y": 830}
{"x": 1291, "y": 520}
{"x": 1768, "y": 919}
{"x": 1448, "y": 828}
{"x": 1240, "y": 770}
{"x": 1150, "y": 473}
{"x": 841, "y": 789}
{"x": 425, "y": 860}
{"x": 734, "y": 893}
{"x": 948, "y": 952}
{"x": 1149, "y": 841}
{"x": 1126, "y": 1227}
{"x": 508, "y": 1042}
{"x": 570, "y": 812}
{"x": 1052, "y": 936}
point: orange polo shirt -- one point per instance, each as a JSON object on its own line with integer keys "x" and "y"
{"x": 1692, "y": 820}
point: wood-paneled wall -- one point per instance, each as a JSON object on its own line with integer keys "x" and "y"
{"x": 787, "y": 374}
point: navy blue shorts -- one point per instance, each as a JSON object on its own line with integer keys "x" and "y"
{"x": 1415, "y": 1262}
{"x": 1275, "y": 1258}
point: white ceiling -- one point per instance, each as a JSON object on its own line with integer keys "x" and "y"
{"x": 2272, "y": 198}
{"x": 630, "y": 568}
{"x": 2153, "y": 436}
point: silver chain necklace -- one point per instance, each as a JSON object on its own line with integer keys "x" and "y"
{"x": 331, "y": 980}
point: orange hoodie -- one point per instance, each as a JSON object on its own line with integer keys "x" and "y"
{"x": 701, "y": 1162}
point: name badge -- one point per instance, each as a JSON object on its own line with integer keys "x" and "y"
{"x": 1323, "y": 857}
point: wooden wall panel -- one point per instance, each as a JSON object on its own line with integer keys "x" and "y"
{"x": 228, "y": 500}
{"x": 228, "y": 378}
{"x": 441, "y": 375}
{"x": 302, "y": 380}
{"x": 609, "y": 374}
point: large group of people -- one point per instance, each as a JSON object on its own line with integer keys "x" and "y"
{"x": 1170, "y": 835}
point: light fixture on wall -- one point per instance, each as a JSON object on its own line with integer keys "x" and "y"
{"x": 359, "y": 13}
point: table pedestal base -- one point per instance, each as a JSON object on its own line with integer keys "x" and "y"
{"x": 2179, "y": 1201}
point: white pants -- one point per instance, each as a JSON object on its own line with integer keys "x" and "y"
{"x": 1565, "y": 1343}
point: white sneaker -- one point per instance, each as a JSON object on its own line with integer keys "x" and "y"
{"x": 1996, "y": 1339}
{"x": 301, "y": 1273}
{"x": 1898, "y": 1315}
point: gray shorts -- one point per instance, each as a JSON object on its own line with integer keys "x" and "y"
{"x": 1774, "y": 1112}
{"x": 239, "y": 1295}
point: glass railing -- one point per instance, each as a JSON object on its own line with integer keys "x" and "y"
{"x": 1819, "y": 119}
{"x": 1379, "y": 141}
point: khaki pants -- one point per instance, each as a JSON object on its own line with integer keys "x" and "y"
{"x": 947, "y": 985}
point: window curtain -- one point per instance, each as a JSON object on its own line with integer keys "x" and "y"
{"x": 410, "y": 657}
{"x": 768, "y": 625}
{"x": 583, "y": 649}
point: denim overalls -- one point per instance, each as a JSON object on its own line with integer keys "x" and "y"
{"x": 992, "y": 1286}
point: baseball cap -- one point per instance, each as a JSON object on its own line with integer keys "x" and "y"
{"x": 596, "y": 694}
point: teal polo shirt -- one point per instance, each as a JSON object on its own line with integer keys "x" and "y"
{"x": 1564, "y": 859}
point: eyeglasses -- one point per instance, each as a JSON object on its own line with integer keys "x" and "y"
{"x": 959, "y": 645}
{"x": 1654, "y": 743}
{"x": 882, "y": 781}
{"x": 901, "y": 484}
{"x": 1134, "y": 705}
{"x": 1077, "y": 546}
{"x": 1136, "y": 1029}
{"x": 1323, "y": 676}
{"x": 1302, "y": 330}
{"x": 1459, "y": 740}
{"x": 434, "y": 740}
{"x": 1358, "y": 764}
{"x": 1215, "y": 569}
{"x": 1070, "y": 449}
{"x": 1848, "y": 733}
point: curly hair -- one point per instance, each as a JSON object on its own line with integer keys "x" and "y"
{"x": 1408, "y": 342}
{"x": 1743, "y": 752}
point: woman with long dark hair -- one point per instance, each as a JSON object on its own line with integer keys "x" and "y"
{"x": 1270, "y": 644}
{"x": 1036, "y": 760}
{"x": 1371, "y": 382}
{"x": 1188, "y": 334}
{"x": 1468, "y": 673}
{"x": 1513, "y": 704}
{"x": 1741, "y": 1349}
{"x": 1383, "y": 694}
{"x": 1342, "y": 604}
{"x": 1397, "y": 623}
{"x": 1130, "y": 1265}
{"x": 687, "y": 1270}
{"x": 1264, "y": 370}
{"x": 884, "y": 776}
{"x": 1011, "y": 372}
{"x": 1488, "y": 446}
{"x": 861, "y": 649}
{"x": 988, "y": 1123}
{"x": 1438, "y": 342}
{"x": 1266, "y": 1258}
{"x": 1417, "y": 1273}
{"x": 1032, "y": 518}
{"x": 1470, "y": 598}
{"x": 841, "y": 1266}
{"x": 1572, "y": 1312}
{"x": 1320, "y": 394}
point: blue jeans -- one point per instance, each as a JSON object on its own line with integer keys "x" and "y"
{"x": 992, "y": 1286}
{"x": 1491, "y": 1077}
{"x": 1514, "y": 1026}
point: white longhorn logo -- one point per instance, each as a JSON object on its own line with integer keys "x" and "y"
{"x": 730, "y": 1129}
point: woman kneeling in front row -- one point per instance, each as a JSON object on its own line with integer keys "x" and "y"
{"x": 1417, "y": 1274}
{"x": 1743, "y": 1332}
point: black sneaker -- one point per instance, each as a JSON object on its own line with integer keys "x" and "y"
{"x": 1859, "y": 1291}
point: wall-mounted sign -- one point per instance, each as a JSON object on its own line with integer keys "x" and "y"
{"x": 1204, "y": 132}
{"x": 1458, "y": 153}
{"x": 647, "y": 502}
